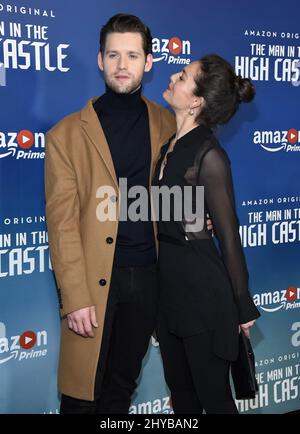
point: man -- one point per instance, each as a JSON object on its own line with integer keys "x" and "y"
{"x": 105, "y": 270}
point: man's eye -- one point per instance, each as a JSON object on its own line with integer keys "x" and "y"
{"x": 111, "y": 56}
{"x": 133, "y": 56}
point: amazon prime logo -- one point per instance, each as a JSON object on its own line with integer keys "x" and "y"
{"x": 276, "y": 141}
{"x": 173, "y": 51}
{"x": 24, "y": 346}
{"x": 285, "y": 299}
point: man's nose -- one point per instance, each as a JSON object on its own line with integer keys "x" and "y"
{"x": 123, "y": 62}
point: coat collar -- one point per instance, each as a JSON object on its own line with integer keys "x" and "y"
{"x": 93, "y": 129}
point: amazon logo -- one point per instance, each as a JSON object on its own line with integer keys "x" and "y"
{"x": 278, "y": 141}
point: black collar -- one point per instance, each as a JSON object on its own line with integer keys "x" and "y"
{"x": 112, "y": 101}
{"x": 193, "y": 136}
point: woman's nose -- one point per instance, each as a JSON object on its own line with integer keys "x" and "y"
{"x": 174, "y": 77}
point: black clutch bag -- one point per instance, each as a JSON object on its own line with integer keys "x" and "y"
{"x": 243, "y": 370}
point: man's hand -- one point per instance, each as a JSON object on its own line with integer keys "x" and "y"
{"x": 82, "y": 321}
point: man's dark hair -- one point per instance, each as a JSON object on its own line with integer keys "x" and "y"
{"x": 221, "y": 89}
{"x": 122, "y": 23}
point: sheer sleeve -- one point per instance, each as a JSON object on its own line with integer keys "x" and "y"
{"x": 215, "y": 176}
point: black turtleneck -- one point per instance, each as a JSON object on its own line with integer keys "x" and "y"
{"x": 124, "y": 119}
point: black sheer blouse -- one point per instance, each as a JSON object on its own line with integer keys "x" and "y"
{"x": 198, "y": 160}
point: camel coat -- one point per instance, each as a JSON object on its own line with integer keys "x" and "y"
{"x": 77, "y": 163}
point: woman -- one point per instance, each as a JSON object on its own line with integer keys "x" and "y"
{"x": 204, "y": 290}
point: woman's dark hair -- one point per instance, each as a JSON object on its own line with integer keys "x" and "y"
{"x": 122, "y": 23}
{"x": 221, "y": 89}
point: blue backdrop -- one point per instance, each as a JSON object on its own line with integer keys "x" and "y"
{"x": 48, "y": 68}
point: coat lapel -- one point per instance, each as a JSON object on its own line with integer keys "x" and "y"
{"x": 155, "y": 127}
{"x": 93, "y": 129}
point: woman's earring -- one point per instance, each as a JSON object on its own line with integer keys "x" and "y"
{"x": 191, "y": 112}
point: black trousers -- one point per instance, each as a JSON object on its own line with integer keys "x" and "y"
{"x": 196, "y": 377}
{"x": 129, "y": 322}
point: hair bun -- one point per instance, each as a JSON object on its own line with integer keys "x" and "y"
{"x": 245, "y": 89}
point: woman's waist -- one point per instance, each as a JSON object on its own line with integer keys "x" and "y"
{"x": 171, "y": 239}
{"x": 177, "y": 236}
{"x": 196, "y": 256}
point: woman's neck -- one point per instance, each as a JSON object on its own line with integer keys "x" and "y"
{"x": 185, "y": 123}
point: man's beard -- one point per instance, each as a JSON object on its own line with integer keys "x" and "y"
{"x": 122, "y": 88}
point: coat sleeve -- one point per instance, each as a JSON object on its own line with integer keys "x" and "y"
{"x": 62, "y": 217}
{"x": 219, "y": 196}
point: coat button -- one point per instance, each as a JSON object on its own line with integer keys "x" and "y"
{"x": 102, "y": 282}
{"x": 109, "y": 240}
{"x": 113, "y": 198}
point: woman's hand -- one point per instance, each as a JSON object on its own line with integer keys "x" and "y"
{"x": 209, "y": 224}
{"x": 246, "y": 328}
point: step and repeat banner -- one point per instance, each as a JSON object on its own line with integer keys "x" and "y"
{"x": 48, "y": 69}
